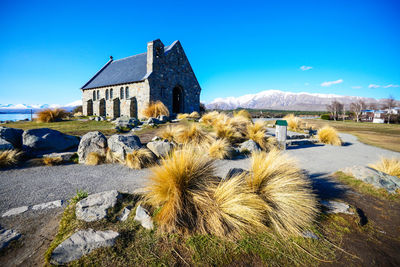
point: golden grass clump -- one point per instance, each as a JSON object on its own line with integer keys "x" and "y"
{"x": 169, "y": 133}
{"x": 226, "y": 131}
{"x": 51, "y": 115}
{"x": 240, "y": 124}
{"x": 173, "y": 184}
{"x": 389, "y": 166}
{"x": 140, "y": 158}
{"x": 155, "y": 109}
{"x": 95, "y": 158}
{"x": 110, "y": 157}
{"x": 242, "y": 113}
{"x": 210, "y": 118}
{"x": 329, "y": 135}
{"x": 52, "y": 161}
{"x": 228, "y": 209}
{"x": 194, "y": 115}
{"x": 192, "y": 134}
{"x": 220, "y": 149}
{"x": 289, "y": 203}
{"x": 9, "y": 158}
{"x": 294, "y": 123}
{"x": 182, "y": 116}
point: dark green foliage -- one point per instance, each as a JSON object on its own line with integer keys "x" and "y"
{"x": 325, "y": 116}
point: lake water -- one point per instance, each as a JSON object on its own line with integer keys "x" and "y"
{"x": 15, "y": 116}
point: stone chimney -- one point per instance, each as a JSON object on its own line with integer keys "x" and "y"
{"x": 155, "y": 51}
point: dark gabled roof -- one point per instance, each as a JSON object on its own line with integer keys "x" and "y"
{"x": 125, "y": 70}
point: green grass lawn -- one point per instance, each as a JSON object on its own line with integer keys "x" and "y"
{"x": 381, "y": 135}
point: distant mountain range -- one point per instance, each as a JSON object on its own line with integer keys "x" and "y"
{"x": 279, "y": 100}
{"x": 15, "y": 108}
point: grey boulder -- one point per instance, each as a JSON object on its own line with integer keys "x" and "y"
{"x": 376, "y": 178}
{"x": 91, "y": 142}
{"x": 12, "y": 135}
{"x": 82, "y": 243}
{"x": 5, "y": 145}
{"x": 336, "y": 207}
{"x": 249, "y": 146}
{"x": 44, "y": 140}
{"x": 94, "y": 207}
{"x": 121, "y": 145}
{"x": 125, "y": 214}
{"x": 160, "y": 148}
{"x": 6, "y": 236}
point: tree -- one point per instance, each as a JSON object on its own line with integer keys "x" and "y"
{"x": 344, "y": 111}
{"x": 357, "y": 107}
{"x": 389, "y": 104}
{"x": 372, "y": 106}
{"x": 334, "y": 108}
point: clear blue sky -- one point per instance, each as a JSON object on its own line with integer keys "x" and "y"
{"x": 49, "y": 49}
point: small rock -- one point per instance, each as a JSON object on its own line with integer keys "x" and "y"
{"x": 309, "y": 234}
{"x": 163, "y": 118}
{"x": 156, "y": 138}
{"x": 152, "y": 121}
{"x": 94, "y": 207}
{"x": 336, "y": 207}
{"x": 121, "y": 145}
{"x": 249, "y": 146}
{"x": 160, "y": 148}
{"x": 6, "y": 236}
{"x": 5, "y": 145}
{"x": 142, "y": 216}
{"x": 15, "y": 211}
{"x": 91, "y": 142}
{"x": 125, "y": 214}
{"x": 97, "y": 118}
{"x": 82, "y": 243}
{"x": 48, "y": 205}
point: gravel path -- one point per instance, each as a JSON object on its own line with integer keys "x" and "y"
{"x": 35, "y": 185}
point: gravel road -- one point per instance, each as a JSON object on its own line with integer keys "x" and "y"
{"x": 28, "y": 186}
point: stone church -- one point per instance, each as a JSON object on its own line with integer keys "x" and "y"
{"x": 126, "y": 86}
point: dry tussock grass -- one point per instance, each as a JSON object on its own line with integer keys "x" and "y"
{"x": 140, "y": 158}
{"x": 192, "y": 134}
{"x": 242, "y": 113}
{"x": 155, "y": 109}
{"x": 329, "y": 135}
{"x": 220, "y": 149}
{"x": 110, "y": 157}
{"x": 174, "y": 183}
{"x": 51, "y": 115}
{"x": 294, "y": 123}
{"x": 9, "y": 158}
{"x": 194, "y": 115}
{"x": 169, "y": 133}
{"x": 389, "y": 166}
{"x": 182, "y": 116}
{"x": 210, "y": 118}
{"x": 45, "y": 161}
{"x": 94, "y": 158}
{"x": 289, "y": 202}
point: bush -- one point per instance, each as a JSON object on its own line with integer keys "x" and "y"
{"x": 155, "y": 109}
{"x": 242, "y": 113}
{"x": 182, "y": 116}
{"x": 192, "y": 134}
{"x": 329, "y": 135}
{"x": 140, "y": 158}
{"x": 170, "y": 133}
{"x": 325, "y": 117}
{"x": 9, "y": 158}
{"x": 294, "y": 123}
{"x": 51, "y": 115}
{"x": 220, "y": 149}
{"x": 77, "y": 109}
{"x": 389, "y": 166}
{"x": 194, "y": 115}
{"x": 95, "y": 158}
{"x": 257, "y": 133}
{"x": 289, "y": 203}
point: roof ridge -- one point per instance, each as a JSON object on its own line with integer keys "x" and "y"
{"x": 130, "y": 56}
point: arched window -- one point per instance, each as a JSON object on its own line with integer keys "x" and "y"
{"x": 121, "y": 93}
{"x": 94, "y": 95}
{"x": 98, "y": 94}
{"x": 111, "y": 93}
{"x": 127, "y": 92}
{"x": 106, "y": 94}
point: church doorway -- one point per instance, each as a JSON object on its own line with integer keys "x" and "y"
{"x": 116, "y": 108}
{"x": 133, "y": 108}
{"x": 177, "y": 100}
{"x": 89, "y": 108}
{"x": 102, "y": 108}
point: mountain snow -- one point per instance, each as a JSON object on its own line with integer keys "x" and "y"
{"x": 280, "y": 100}
{"x": 39, "y": 106}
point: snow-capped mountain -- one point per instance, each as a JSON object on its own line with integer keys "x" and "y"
{"x": 279, "y": 100}
{"x": 8, "y": 107}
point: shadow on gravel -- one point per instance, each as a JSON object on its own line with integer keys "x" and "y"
{"x": 326, "y": 188}
{"x": 347, "y": 144}
{"x": 303, "y": 146}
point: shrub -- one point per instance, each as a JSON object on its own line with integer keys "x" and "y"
{"x": 110, "y": 157}
{"x": 174, "y": 183}
{"x": 220, "y": 149}
{"x": 240, "y": 124}
{"x": 210, "y": 118}
{"x": 389, "y": 166}
{"x": 289, "y": 202}
{"x": 194, "y": 115}
{"x": 9, "y": 158}
{"x": 294, "y": 123}
{"x": 170, "y": 133}
{"x": 155, "y": 109}
{"x": 329, "y": 135}
{"x": 51, "y": 115}
{"x": 192, "y": 134}
{"x": 325, "y": 117}
{"x": 226, "y": 131}
{"x": 242, "y": 113}
{"x": 94, "y": 158}
{"x": 182, "y": 116}
{"x": 140, "y": 158}
{"x": 77, "y": 109}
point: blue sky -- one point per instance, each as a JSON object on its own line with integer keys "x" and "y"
{"x": 49, "y": 49}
